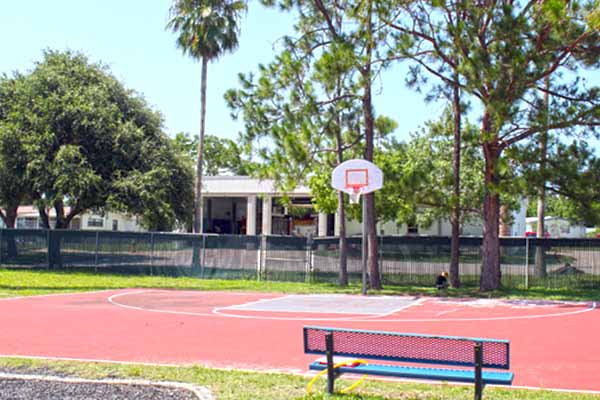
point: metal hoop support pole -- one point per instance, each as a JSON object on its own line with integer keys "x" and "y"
{"x": 526, "y": 262}
{"x": 364, "y": 247}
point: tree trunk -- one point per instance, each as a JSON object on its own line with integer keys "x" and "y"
{"x": 44, "y": 217}
{"x": 540, "y": 253}
{"x": 60, "y": 216}
{"x": 373, "y": 265}
{"x": 339, "y": 144}
{"x": 54, "y": 259}
{"x": 343, "y": 243}
{"x": 10, "y": 219}
{"x": 490, "y": 270}
{"x": 198, "y": 223}
{"x": 455, "y": 241}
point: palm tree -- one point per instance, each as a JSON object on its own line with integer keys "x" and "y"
{"x": 207, "y": 29}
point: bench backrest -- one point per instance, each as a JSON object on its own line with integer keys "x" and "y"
{"x": 445, "y": 350}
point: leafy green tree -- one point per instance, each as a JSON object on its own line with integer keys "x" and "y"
{"x": 500, "y": 53}
{"x": 206, "y": 30}
{"x": 345, "y": 40}
{"x": 301, "y": 114}
{"x": 90, "y": 144}
{"x": 222, "y": 155}
{"x": 574, "y": 186}
{"x": 85, "y": 136}
{"x": 14, "y": 185}
{"x": 431, "y": 155}
{"x": 419, "y": 185}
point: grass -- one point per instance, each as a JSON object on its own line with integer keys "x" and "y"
{"x": 37, "y": 282}
{"x": 241, "y": 385}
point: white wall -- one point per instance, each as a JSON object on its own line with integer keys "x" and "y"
{"x": 519, "y": 224}
{"x": 559, "y": 228}
{"x": 124, "y": 222}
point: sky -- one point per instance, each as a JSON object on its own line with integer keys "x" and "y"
{"x": 129, "y": 36}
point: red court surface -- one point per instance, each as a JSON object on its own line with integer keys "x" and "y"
{"x": 553, "y": 344}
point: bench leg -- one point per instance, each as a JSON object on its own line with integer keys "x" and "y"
{"x": 478, "y": 365}
{"x": 329, "y": 354}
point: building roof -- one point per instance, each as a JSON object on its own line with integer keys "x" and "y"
{"x": 547, "y": 218}
{"x": 32, "y": 211}
{"x": 234, "y": 186}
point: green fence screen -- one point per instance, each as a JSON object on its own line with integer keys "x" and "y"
{"x": 403, "y": 260}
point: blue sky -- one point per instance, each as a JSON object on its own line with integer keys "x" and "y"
{"x": 130, "y": 37}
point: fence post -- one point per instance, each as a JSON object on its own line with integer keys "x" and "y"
{"x": 151, "y": 253}
{"x": 258, "y": 257}
{"x": 526, "y": 262}
{"x": 380, "y": 256}
{"x": 308, "y": 262}
{"x": 262, "y": 259}
{"x": 96, "y": 251}
{"x": 48, "y": 245}
{"x": 202, "y": 256}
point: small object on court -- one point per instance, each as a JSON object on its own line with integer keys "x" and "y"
{"x": 441, "y": 282}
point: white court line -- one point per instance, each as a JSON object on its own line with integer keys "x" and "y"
{"x": 217, "y": 313}
{"x": 446, "y": 312}
{"x": 418, "y": 302}
{"x": 112, "y": 301}
{"x": 35, "y": 296}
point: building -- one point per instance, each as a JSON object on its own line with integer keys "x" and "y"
{"x": 245, "y": 205}
{"x": 28, "y": 218}
{"x": 557, "y": 227}
{"x": 249, "y": 206}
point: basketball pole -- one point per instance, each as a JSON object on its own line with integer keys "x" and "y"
{"x": 364, "y": 248}
{"x": 358, "y": 177}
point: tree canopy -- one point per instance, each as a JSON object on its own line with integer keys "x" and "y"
{"x": 91, "y": 144}
{"x": 221, "y": 155}
{"x": 14, "y": 184}
{"x": 500, "y": 54}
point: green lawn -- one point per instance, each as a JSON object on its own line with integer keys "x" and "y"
{"x": 34, "y": 282}
{"x": 240, "y": 385}
{"x": 255, "y": 385}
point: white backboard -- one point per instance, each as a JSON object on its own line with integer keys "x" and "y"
{"x": 357, "y": 172}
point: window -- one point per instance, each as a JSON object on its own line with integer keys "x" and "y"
{"x": 412, "y": 229}
{"x": 27, "y": 223}
{"x": 95, "y": 222}
{"x": 115, "y": 225}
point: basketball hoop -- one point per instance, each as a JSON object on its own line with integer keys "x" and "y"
{"x": 356, "y": 179}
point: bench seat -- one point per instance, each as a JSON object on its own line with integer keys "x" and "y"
{"x": 443, "y": 374}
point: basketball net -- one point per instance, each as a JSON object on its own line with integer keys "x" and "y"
{"x": 356, "y": 191}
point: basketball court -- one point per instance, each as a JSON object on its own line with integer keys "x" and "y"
{"x": 553, "y": 344}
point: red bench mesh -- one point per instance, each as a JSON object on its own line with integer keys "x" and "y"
{"x": 404, "y": 347}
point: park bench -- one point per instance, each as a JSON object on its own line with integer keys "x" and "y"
{"x": 409, "y": 348}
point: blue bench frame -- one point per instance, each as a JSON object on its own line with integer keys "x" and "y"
{"x": 424, "y": 349}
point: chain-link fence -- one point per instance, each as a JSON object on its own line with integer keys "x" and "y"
{"x": 403, "y": 260}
